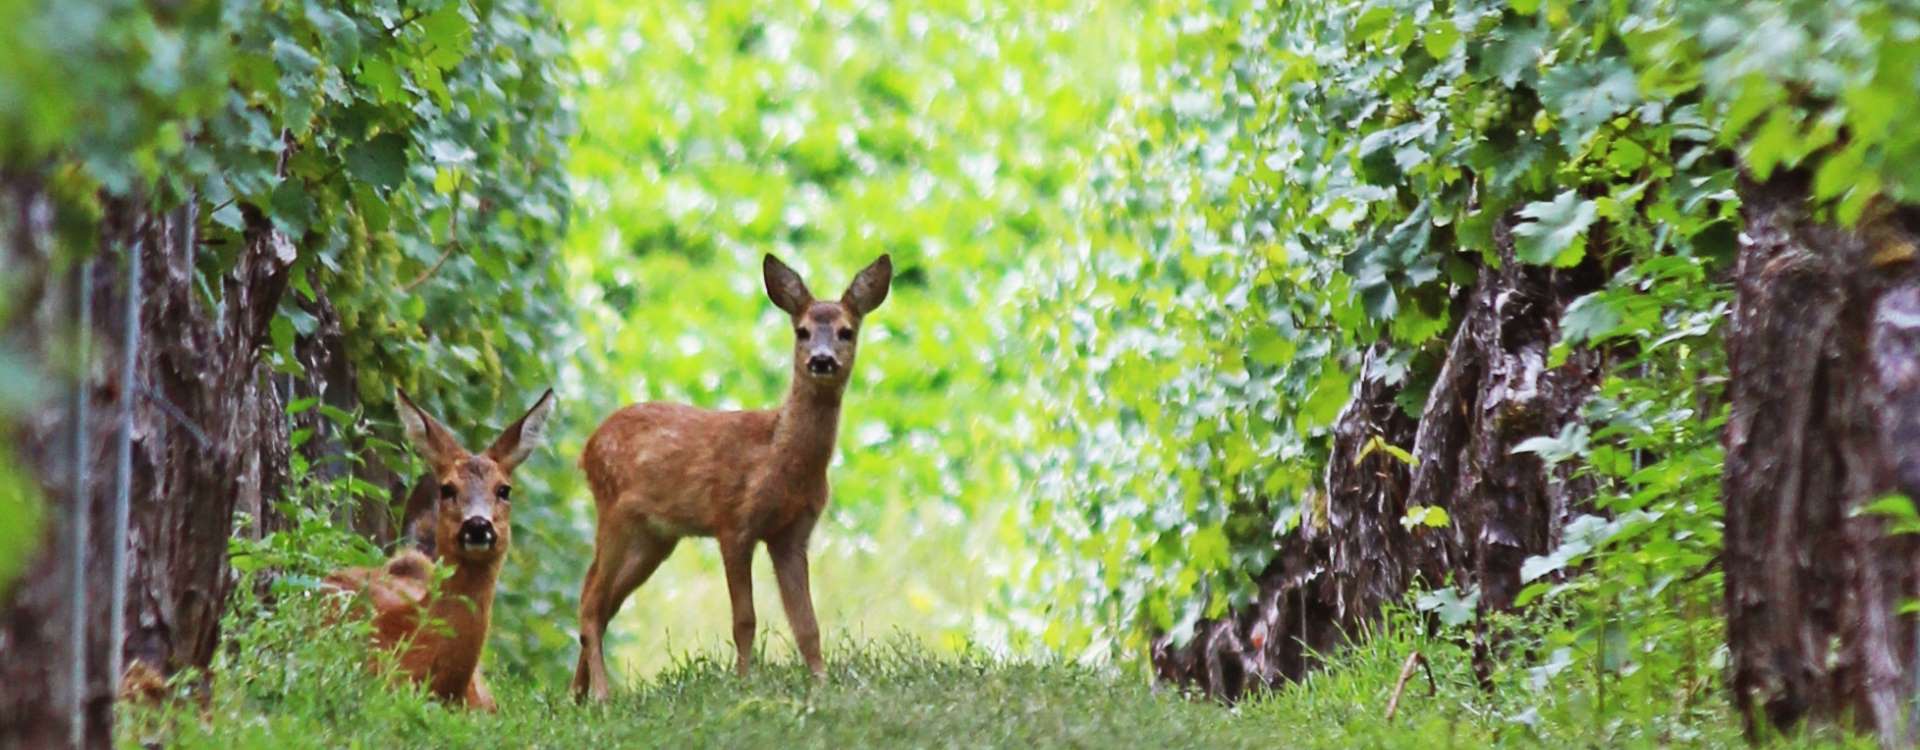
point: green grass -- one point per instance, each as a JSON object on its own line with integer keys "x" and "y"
{"x": 285, "y": 683}
{"x": 858, "y": 590}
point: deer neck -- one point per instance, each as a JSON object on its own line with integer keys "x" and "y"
{"x": 806, "y": 425}
{"x": 464, "y": 606}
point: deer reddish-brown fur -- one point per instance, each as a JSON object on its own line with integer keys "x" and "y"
{"x": 660, "y": 472}
{"x": 441, "y": 631}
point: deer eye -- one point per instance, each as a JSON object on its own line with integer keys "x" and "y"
{"x": 846, "y": 334}
{"x": 502, "y": 491}
{"x": 447, "y": 491}
{"x": 802, "y": 333}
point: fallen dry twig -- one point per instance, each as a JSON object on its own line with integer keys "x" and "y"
{"x": 1406, "y": 673}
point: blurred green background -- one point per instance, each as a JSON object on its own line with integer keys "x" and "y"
{"x": 951, "y": 134}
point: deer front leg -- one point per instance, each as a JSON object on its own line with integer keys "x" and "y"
{"x": 736, "y": 554}
{"x": 789, "y": 551}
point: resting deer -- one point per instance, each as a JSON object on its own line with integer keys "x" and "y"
{"x": 443, "y": 631}
{"x": 660, "y": 472}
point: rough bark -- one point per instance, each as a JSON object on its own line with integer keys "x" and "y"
{"x": 208, "y": 434}
{"x": 1824, "y": 353}
{"x": 217, "y": 441}
{"x": 1331, "y": 576}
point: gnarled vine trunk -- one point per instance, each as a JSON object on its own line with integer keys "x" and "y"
{"x": 1825, "y": 358}
{"x": 208, "y": 434}
{"x": 213, "y": 437}
{"x": 1494, "y": 390}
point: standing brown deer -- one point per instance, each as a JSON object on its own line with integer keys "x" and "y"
{"x": 443, "y": 631}
{"x": 660, "y": 472}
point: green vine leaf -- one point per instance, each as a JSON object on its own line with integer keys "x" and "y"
{"x": 1584, "y": 95}
{"x": 1556, "y": 231}
{"x": 381, "y": 161}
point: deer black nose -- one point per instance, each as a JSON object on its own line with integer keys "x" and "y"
{"x": 477, "y": 533}
{"x": 823, "y": 364}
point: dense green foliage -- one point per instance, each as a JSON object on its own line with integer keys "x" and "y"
{"x": 1302, "y": 182}
{"x": 381, "y": 137}
{"x": 1314, "y": 180}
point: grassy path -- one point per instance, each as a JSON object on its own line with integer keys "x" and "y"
{"x": 880, "y": 697}
{"x": 286, "y": 684}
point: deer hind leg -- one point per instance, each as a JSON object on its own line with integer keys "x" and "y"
{"x": 619, "y": 567}
{"x": 736, "y": 554}
{"x": 590, "y": 661}
{"x": 478, "y": 696}
{"x": 789, "y": 552}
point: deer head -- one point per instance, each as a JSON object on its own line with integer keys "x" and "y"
{"x": 469, "y": 521}
{"x": 826, "y": 333}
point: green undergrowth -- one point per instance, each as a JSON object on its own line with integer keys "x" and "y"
{"x": 285, "y": 682}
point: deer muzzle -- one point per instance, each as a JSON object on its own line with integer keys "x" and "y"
{"x": 477, "y": 534}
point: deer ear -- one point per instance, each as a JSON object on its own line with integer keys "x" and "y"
{"x": 524, "y": 435}
{"x": 784, "y": 286}
{"x": 869, "y": 287}
{"x": 428, "y": 436}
